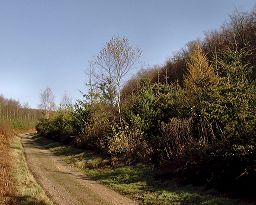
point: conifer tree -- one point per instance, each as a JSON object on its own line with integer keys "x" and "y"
{"x": 201, "y": 83}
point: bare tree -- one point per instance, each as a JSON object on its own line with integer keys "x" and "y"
{"x": 66, "y": 101}
{"x": 26, "y": 105}
{"x": 47, "y": 101}
{"x": 111, "y": 65}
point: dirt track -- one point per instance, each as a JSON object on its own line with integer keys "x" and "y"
{"x": 62, "y": 183}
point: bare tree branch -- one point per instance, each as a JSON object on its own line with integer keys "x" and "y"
{"x": 112, "y": 63}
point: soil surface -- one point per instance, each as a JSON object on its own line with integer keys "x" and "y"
{"x": 64, "y": 184}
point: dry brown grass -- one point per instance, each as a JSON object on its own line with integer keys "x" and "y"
{"x": 7, "y": 190}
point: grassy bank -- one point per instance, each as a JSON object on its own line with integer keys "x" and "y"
{"x": 136, "y": 181}
{"x": 28, "y": 192}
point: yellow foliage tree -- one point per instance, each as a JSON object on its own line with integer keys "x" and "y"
{"x": 200, "y": 76}
{"x": 201, "y": 86}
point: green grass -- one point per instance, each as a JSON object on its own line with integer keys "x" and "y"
{"x": 28, "y": 192}
{"x": 136, "y": 181}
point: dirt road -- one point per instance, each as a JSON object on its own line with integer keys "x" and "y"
{"x": 64, "y": 184}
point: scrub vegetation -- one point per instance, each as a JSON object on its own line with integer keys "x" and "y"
{"x": 136, "y": 181}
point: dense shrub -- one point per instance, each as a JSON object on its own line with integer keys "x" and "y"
{"x": 129, "y": 144}
{"x": 224, "y": 166}
{"x": 80, "y": 117}
{"x": 65, "y": 124}
{"x": 176, "y": 137}
{"x": 98, "y": 132}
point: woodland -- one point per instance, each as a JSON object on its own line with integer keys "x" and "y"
{"x": 192, "y": 119}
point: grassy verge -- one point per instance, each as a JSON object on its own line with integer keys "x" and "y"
{"x": 136, "y": 181}
{"x": 28, "y": 192}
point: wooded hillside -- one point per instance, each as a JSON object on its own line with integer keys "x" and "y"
{"x": 193, "y": 119}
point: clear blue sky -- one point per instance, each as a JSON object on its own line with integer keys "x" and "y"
{"x": 49, "y": 42}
